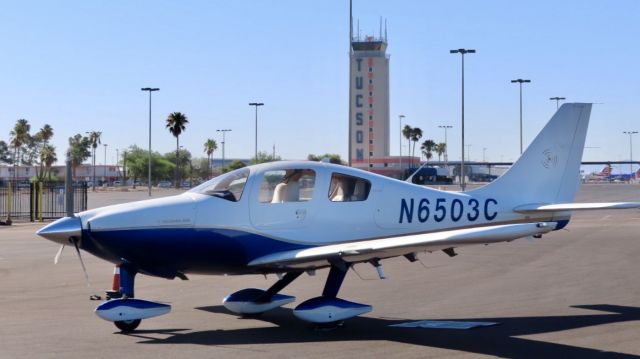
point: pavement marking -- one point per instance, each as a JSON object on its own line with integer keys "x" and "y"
{"x": 443, "y": 324}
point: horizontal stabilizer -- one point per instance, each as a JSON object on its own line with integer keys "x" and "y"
{"x": 542, "y": 207}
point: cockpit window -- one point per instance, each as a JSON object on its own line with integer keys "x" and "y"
{"x": 346, "y": 188}
{"x": 228, "y": 186}
{"x": 293, "y": 185}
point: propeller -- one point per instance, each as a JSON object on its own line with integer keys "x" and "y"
{"x": 57, "y": 257}
{"x": 84, "y": 269}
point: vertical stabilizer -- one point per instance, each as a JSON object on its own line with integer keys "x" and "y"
{"x": 549, "y": 170}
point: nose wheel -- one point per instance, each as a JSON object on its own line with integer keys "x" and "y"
{"x": 127, "y": 326}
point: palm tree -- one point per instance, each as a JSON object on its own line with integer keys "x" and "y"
{"x": 441, "y": 148}
{"x": 427, "y": 148}
{"x": 416, "y": 135}
{"x": 176, "y": 123}
{"x": 209, "y": 147}
{"x": 47, "y": 157}
{"x": 19, "y": 137}
{"x": 94, "y": 139}
{"x": 78, "y": 150}
{"x": 406, "y": 132}
{"x": 45, "y": 133}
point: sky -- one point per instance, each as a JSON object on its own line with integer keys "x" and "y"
{"x": 79, "y": 66}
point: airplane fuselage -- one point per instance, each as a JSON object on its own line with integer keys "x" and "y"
{"x": 202, "y": 233}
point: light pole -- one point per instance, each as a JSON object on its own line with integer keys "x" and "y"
{"x": 462, "y": 52}
{"x": 557, "y": 99}
{"x": 468, "y": 152}
{"x": 630, "y": 133}
{"x": 484, "y": 152}
{"x": 105, "y": 162}
{"x": 256, "y": 104}
{"x": 446, "y": 145}
{"x": 150, "y": 89}
{"x": 223, "y": 142}
{"x": 400, "y": 117}
{"x": 118, "y": 162}
{"x": 520, "y": 82}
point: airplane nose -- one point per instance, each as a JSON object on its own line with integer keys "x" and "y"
{"x": 61, "y": 230}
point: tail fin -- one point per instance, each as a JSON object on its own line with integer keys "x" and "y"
{"x": 549, "y": 170}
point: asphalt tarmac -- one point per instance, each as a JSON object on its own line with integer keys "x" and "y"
{"x": 573, "y": 293}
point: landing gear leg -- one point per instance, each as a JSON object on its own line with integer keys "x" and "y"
{"x": 127, "y": 281}
{"x": 277, "y": 287}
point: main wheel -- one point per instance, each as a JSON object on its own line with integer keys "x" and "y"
{"x": 127, "y": 325}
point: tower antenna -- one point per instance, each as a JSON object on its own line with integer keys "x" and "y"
{"x": 350, "y": 26}
{"x": 385, "y": 30}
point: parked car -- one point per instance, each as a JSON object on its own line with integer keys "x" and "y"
{"x": 164, "y": 184}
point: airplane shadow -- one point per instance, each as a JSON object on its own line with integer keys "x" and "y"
{"x": 501, "y": 340}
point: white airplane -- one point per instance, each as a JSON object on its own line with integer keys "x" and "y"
{"x": 289, "y": 218}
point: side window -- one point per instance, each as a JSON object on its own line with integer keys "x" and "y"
{"x": 295, "y": 185}
{"x": 345, "y": 188}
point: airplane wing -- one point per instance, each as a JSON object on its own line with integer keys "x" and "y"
{"x": 374, "y": 249}
{"x": 542, "y": 207}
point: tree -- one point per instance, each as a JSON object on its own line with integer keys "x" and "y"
{"x": 427, "y": 148}
{"x": 333, "y": 158}
{"x": 264, "y": 157}
{"x": 47, "y": 159}
{"x": 137, "y": 165}
{"x": 416, "y": 135}
{"x": 234, "y": 166}
{"x": 79, "y": 151}
{"x": 5, "y": 154}
{"x": 209, "y": 147}
{"x": 19, "y": 137}
{"x": 176, "y": 123}
{"x": 45, "y": 133}
{"x": 184, "y": 163}
{"x": 441, "y": 148}
{"x": 406, "y": 132}
{"x": 94, "y": 139}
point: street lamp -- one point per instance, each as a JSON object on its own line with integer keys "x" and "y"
{"x": 105, "y": 161}
{"x": 630, "y": 133}
{"x": 400, "y": 117}
{"x": 223, "y": 142}
{"x": 256, "y": 104}
{"x": 462, "y": 52}
{"x": 557, "y": 99}
{"x": 150, "y": 89}
{"x": 520, "y": 82}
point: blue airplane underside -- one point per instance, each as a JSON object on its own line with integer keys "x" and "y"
{"x": 168, "y": 251}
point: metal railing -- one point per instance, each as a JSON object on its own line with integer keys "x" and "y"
{"x": 39, "y": 201}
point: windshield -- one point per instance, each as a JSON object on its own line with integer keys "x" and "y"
{"x": 228, "y": 186}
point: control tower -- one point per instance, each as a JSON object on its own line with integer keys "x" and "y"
{"x": 368, "y": 102}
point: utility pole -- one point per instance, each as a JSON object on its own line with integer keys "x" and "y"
{"x": 520, "y": 82}
{"x": 462, "y": 52}
{"x": 256, "y": 104}
{"x": 150, "y": 90}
